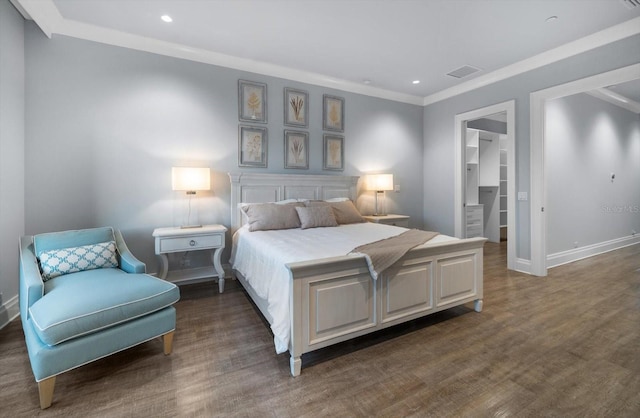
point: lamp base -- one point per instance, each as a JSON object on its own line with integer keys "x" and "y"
{"x": 377, "y": 210}
{"x": 190, "y": 226}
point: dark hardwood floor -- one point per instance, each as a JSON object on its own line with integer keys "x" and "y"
{"x": 567, "y": 345}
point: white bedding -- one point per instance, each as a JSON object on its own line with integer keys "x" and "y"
{"x": 260, "y": 257}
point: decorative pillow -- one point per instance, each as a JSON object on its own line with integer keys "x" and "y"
{"x": 316, "y": 216}
{"x": 268, "y": 216}
{"x": 345, "y": 211}
{"x": 55, "y": 263}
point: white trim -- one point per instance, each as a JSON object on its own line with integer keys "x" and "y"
{"x": 575, "y": 254}
{"x": 537, "y": 169}
{"x": 50, "y": 21}
{"x": 12, "y": 309}
{"x": 43, "y": 14}
{"x": 459, "y": 175}
{"x": 595, "y": 40}
{"x": 523, "y": 266}
{"x": 616, "y": 99}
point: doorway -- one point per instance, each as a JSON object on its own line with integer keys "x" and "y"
{"x": 537, "y": 152}
{"x": 493, "y": 196}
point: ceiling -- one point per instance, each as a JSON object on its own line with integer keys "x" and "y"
{"x": 376, "y": 47}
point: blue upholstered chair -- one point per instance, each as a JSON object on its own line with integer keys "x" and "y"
{"x": 84, "y": 296}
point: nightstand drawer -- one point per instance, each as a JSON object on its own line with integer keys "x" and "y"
{"x": 189, "y": 243}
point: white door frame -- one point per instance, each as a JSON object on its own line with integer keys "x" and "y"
{"x": 460, "y": 175}
{"x": 538, "y": 168}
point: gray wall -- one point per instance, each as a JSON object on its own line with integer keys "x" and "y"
{"x": 106, "y": 124}
{"x": 586, "y": 140}
{"x": 439, "y": 130}
{"x": 11, "y": 155}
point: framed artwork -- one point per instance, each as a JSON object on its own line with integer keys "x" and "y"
{"x": 252, "y": 146}
{"x": 333, "y": 152}
{"x": 296, "y": 149}
{"x": 252, "y": 101}
{"x": 332, "y": 113}
{"x": 296, "y": 107}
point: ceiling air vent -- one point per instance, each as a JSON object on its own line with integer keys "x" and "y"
{"x": 631, "y": 4}
{"x": 464, "y": 71}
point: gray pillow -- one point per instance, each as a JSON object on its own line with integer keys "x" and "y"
{"x": 345, "y": 211}
{"x": 268, "y": 216}
{"x": 316, "y": 216}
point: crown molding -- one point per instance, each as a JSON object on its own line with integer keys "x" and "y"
{"x": 614, "y": 98}
{"x": 595, "y": 40}
{"x": 46, "y": 15}
{"x": 48, "y": 18}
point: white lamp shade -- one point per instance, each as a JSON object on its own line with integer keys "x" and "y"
{"x": 190, "y": 178}
{"x": 380, "y": 182}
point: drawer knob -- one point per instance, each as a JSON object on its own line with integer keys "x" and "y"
{"x": 192, "y": 243}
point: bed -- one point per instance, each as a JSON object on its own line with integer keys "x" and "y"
{"x": 330, "y": 299}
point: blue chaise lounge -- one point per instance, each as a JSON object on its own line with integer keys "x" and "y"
{"x": 84, "y": 296}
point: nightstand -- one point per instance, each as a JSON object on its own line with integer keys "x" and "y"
{"x": 391, "y": 219}
{"x": 175, "y": 240}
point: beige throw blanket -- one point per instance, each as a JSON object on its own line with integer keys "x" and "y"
{"x": 382, "y": 254}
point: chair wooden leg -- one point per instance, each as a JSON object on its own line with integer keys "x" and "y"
{"x": 45, "y": 388}
{"x": 168, "y": 342}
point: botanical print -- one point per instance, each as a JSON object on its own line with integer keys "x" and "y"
{"x": 296, "y": 104}
{"x": 254, "y": 104}
{"x": 252, "y": 146}
{"x": 252, "y": 101}
{"x": 333, "y": 152}
{"x": 296, "y": 149}
{"x": 297, "y": 108}
{"x": 333, "y": 113}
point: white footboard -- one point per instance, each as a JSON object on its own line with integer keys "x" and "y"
{"x": 335, "y": 299}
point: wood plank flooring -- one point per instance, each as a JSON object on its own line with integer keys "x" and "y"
{"x": 567, "y": 345}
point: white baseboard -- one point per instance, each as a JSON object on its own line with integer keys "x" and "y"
{"x": 575, "y": 254}
{"x": 523, "y": 265}
{"x": 12, "y": 310}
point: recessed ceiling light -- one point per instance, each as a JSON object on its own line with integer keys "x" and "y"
{"x": 551, "y": 19}
{"x": 166, "y": 18}
{"x": 416, "y": 81}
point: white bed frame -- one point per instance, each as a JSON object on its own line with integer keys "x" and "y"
{"x": 335, "y": 299}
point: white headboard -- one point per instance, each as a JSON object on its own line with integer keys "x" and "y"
{"x": 260, "y": 188}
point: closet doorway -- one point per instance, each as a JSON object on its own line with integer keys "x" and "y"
{"x": 485, "y": 176}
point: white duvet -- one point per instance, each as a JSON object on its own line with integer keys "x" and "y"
{"x": 261, "y": 256}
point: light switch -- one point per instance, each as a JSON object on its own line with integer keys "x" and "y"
{"x": 522, "y": 196}
{"x": 396, "y": 188}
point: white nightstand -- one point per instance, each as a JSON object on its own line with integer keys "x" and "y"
{"x": 391, "y": 219}
{"x": 175, "y": 240}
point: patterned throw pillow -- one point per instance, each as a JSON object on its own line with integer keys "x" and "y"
{"x": 55, "y": 263}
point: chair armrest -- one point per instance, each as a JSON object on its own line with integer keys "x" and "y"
{"x": 128, "y": 262}
{"x": 31, "y": 283}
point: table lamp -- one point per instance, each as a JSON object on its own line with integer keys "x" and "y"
{"x": 379, "y": 183}
{"x": 191, "y": 180}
